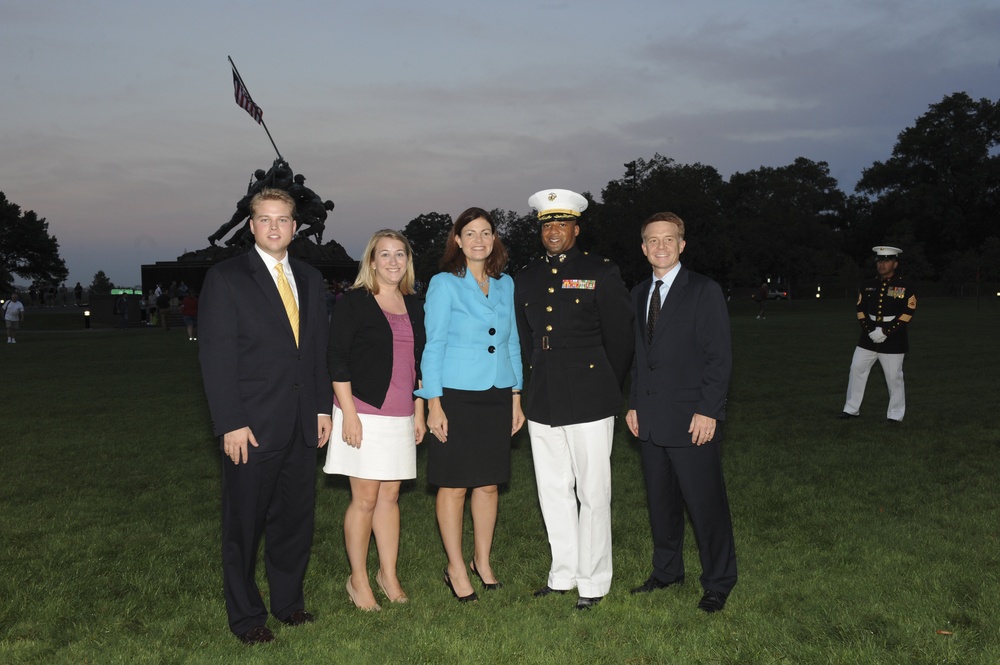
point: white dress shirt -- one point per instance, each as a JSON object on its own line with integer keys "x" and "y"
{"x": 270, "y": 262}
{"x": 668, "y": 281}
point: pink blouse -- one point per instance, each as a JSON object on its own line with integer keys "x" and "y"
{"x": 399, "y": 398}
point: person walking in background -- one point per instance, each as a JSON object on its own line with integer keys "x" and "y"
{"x": 121, "y": 311}
{"x": 575, "y": 327}
{"x": 154, "y": 319}
{"x": 78, "y": 294}
{"x": 760, "y": 297}
{"x": 263, "y": 361}
{"x": 189, "y": 312}
{"x": 376, "y": 341}
{"x": 677, "y": 403}
{"x": 163, "y": 309}
{"x": 13, "y": 315}
{"x": 471, "y": 372}
{"x": 885, "y": 307}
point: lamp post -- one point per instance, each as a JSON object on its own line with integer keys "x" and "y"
{"x": 86, "y": 319}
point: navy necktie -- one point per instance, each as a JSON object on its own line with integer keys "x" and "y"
{"x": 654, "y": 311}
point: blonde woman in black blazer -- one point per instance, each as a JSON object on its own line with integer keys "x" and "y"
{"x": 376, "y": 340}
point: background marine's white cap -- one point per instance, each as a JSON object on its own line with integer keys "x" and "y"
{"x": 885, "y": 250}
{"x": 557, "y": 204}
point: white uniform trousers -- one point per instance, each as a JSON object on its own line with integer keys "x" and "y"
{"x": 892, "y": 367}
{"x": 572, "y": 463}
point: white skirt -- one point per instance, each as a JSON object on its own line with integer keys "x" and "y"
{"x": 388, "y": 450}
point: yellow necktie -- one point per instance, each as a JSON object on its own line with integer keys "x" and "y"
{"x": 291, "y": 309}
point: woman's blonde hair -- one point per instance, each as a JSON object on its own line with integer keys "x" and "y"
{"x": 367, "y": 279}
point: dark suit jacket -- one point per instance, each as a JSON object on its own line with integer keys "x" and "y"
{"x": 360, "y": 348}
{"x": 686, "y": 368}
{"x": 253, "y": 373}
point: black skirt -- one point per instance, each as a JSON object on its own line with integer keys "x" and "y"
{"x": 477, "y": 452}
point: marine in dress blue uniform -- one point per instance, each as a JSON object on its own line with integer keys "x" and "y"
{"x": 885, "y": 307}
{"x": 574, "y": 321}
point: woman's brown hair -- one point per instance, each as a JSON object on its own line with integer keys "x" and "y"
{"x": 453, "y": 260}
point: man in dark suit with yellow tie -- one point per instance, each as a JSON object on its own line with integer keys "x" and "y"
{"x": 263, "y": 359}
{"x": 680, "y": 378}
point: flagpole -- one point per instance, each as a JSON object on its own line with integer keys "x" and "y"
{"x": 262, "y": 119}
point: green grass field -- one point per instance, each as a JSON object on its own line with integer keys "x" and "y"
{"x": 857, "y": 541}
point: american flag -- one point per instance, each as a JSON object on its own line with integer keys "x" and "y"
{"x": 243, "y": 99}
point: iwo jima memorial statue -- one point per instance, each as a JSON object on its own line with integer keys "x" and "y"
{"x": 311, "y": 214}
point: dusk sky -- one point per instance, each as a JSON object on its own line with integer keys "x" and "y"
{"x": 118, "y": 124}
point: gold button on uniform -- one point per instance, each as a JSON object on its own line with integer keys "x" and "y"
{"x": 551, "y": 290}
{"x": 548, "y": 328}
{"x": 549, "y": 308}
{"x": 555, "y": 270}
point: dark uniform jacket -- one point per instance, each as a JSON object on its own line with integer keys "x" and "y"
{"x": 888, "y": 304}
{"x": 574, "y": 320}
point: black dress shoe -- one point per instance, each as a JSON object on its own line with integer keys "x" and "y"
{"x": 257, "y": 635}
{"x": 472, "y": 597}
{"x": 586, "y": 603}
{"x": 494, "y": 586}
{"x": 652, "y": 584}
{"x": 298, "y": 617}
{"x": 844, "y": 415}
{"x": 546, "y": 590}
{"x": 712, "y": 601}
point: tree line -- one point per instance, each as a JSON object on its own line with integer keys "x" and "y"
{"x": 937, "y": 197}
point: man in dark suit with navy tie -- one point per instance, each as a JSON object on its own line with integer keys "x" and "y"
{"x": 680, "y": 378}
{"x": 263, "y": 359}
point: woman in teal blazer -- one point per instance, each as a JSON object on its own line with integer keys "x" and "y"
{"x": 471, "y": 370}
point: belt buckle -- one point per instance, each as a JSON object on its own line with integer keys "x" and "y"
{"x": 545, "y": 343}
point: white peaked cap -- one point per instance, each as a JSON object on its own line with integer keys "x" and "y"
{"x": 885, "y": 250}
{"x": 556, "y": 203}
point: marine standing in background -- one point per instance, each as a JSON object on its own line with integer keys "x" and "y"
{"x": 886, "y": 306}
{"x": 575, "y": 324}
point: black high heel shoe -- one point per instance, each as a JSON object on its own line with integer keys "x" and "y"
{"x": 488, "y": 587}
{"x": 472, "y": 597}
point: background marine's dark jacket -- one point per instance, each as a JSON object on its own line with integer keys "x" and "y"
{"x": 888, "y": 304}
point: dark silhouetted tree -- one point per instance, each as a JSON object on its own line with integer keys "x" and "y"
{"x": 942, "y": 183}
{"x": 101, "y": 283}
{"x": 26, "y": 248}
{"x": 427, "y": 235}
{"x": 785, "y": 222}
{"x": 520, "y": 235}
{"x": 692, "y": 191}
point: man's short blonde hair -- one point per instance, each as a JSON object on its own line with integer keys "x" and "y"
{"x": 271, "y": 194}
